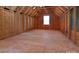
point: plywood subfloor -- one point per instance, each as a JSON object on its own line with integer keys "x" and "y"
{"x": 38, "y": 41}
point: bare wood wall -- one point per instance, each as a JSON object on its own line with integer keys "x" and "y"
{"x": 54, "y": 22}
{"x": 12, "y": 23}
{"x": 68, "y": 24}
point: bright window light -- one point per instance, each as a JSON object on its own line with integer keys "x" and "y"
{"x": 46, "y": 20}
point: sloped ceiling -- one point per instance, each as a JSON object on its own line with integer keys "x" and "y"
{"x": 36, "y": 10}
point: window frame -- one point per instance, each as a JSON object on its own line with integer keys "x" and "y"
{"x": 44, "y": 20}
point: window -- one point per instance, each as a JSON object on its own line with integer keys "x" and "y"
{"x": 46, "y": 20}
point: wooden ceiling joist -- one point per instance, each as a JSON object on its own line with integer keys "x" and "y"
{"x": 27, "y": 10}
{"x": 56, "y": 12}
{"x": 22, "y": 9}
{"x": 33, "y": 12}
{"x": 64, "y": 8}
{"x": 36, "y": 10}
{"x": 59, "y": 10}
{"x": 30, "y": 11}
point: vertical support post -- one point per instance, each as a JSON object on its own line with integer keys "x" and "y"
{"x": 69, "y": 24}
{"x": 74, "y": 24}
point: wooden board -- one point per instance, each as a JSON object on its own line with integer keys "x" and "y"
{"x": 9, "y": 23}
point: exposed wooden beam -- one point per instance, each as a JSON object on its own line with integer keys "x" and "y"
{"x": 38, "y": 10}
{"x": 64, "y": 8}
{"x": 33, "y": 11}
{"x": 27, "y": 10}
{"x": 21, "y": 9}
{"x": 13, "y": 7}
{"x": 59, "y": 10}
{"x": 30, "y": 11}
{"x": 17, "y": 9}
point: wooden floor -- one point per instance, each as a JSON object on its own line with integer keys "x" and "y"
{"x": 38, "y": 41}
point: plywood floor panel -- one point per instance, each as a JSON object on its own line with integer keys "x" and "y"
{"x": 38, "y": 41}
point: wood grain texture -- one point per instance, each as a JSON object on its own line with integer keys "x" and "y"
{"x": 12, "y": 23}
{"x": 54, "y": 22}
{"x": 38, "y": 41}
{"x": 77, "y": 38}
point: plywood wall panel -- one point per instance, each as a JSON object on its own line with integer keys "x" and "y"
{"x": 54, "y": 22}
{"x": 15, "y": 23}
{"x": 7, "y": 25}
{"x": 32, "y": 22}
{"x": 12, "y": 23}
{"x": 36, "y": 22}
{"x": 21, "y": 23}
{"x": 1, "y": 18}
{"x": 26, "y": 22}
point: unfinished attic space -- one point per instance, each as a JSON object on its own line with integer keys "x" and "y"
{"x": 39, "y": 29}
